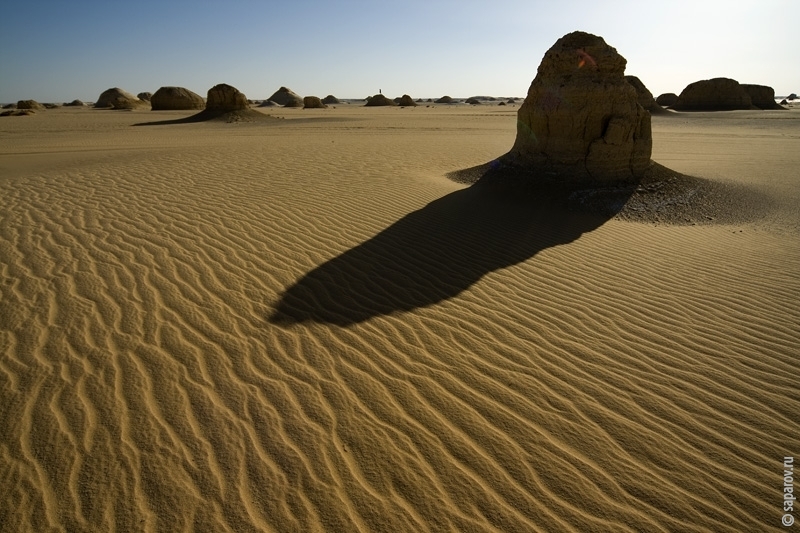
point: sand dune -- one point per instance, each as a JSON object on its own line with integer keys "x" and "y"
{"x": 305, "y": 326}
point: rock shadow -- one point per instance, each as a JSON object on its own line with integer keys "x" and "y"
{"x": 212, "y": 115}
{"x": 437, "y": 252}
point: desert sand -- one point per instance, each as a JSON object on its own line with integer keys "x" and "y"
{"x": 304, "y": 325}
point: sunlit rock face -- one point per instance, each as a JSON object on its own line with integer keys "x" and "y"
{"x": 581, "y": 120}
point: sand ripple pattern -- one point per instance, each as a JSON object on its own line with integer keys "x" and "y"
{"x": 633, "y": 378}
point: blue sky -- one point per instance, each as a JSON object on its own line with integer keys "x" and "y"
{"x": 58, "y": 51}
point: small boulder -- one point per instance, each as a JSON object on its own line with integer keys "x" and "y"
{"x": 379, "y": 100}
{"x": 29, "y": 104}
{"x": 791, "y": 97}
{"x": 176, "y": 98}
{"x": 116, "y": 98}
{"x": 472, "y": 101}
{"x": 330, "y": 99}
{"x": 406, "y": 101}
{"x": 313, "y": 102}
{"x": 717, "y": 94}
{"x": 762, "y": 96}
{"x": 667, "y": 99}
{"x": 444, "y": 100}
{"x": 287, "y": 98}
{"x": 145, "y": 96}
{"x": 75, "y": 103}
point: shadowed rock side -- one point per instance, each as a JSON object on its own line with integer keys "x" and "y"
{"x": 581, "y": 120}
{"x": 667, "y": 99}
{"x": 223, "y": 104}
{"x": 644, "y": 95}
{"x": 717, "y": 94}
{"x": 430, "y": 255}
{"x": 29, "y": 104}
{"x": 762, "y": 96}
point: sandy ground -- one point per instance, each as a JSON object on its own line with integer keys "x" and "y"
{"x": 303, "y": 325}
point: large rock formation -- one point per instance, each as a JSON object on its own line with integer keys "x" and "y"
{"x": 176, "y": 98}
{"x": 116, "y": 98}
{"x": 379, "y": 100}
{"x": 581, "y": 121}
{"x": 644, "y": 95}
{"x": 762, "y": 96}
{"x": 313, "y": 102}
{"x": 225, "y": 98}
{"x": 286, "y": 97}
{"x": 717, "y": 94}
{"x": 667, "y": 99}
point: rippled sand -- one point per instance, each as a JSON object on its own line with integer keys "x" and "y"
{"x": 303, "y": 325}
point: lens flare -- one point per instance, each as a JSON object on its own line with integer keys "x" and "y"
{"x": 585, "y": 59}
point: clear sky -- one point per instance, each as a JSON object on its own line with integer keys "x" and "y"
{"x": 55, "y": 51}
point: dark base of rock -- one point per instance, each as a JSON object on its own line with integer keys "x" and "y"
{"x": 662, "y": 195}
{"x": 210, "y": 115}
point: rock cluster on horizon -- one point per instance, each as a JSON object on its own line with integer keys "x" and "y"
{"x": 581, "y": 120}
{"x": 175, "y": 98}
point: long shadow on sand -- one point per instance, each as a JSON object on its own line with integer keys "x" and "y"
{"x": 434, "y": 254}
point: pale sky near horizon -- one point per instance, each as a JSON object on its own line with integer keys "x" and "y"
{"x": 59, "y": 51}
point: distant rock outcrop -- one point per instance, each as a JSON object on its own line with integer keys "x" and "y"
{"x": 268, "y": 103}
{"x": 444, "y": 100}
{"x": 287, "y": 98}
{"x": 75, "y": 103}
{"x": 717, "y": 94}
{"x": 176, "y": 98}
{"x": 146, "y": 96}
{"x": 29, "y": 104}
{"x": 581, "y": 121}
{"x": 762, "y": 96}
{"x": 330, "y": 99}
{"x": 406, "y": 101}
{"x": 667, "y": 99}
{"x": 644, "y": 95}
{"x": 379, "y": 100}
{"x": 116, "y": 98}
{"x": 472, "y": 101}
{"x": 313, "y": 102}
